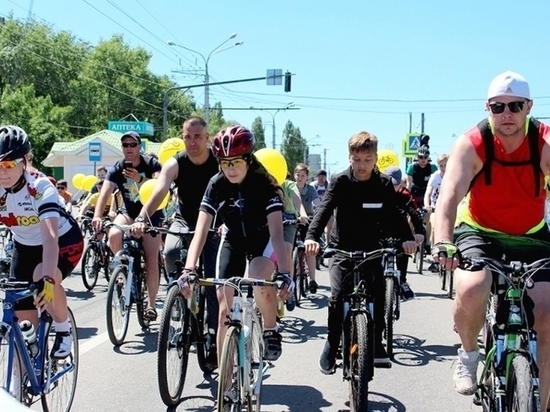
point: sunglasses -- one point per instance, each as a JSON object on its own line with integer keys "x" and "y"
{"x": 132, "y": 145}
{"x": 422, "y": 157}
{"x": 498, "y": 107}
{"x": 9, "y": 164}
{"x": 226, "y": 164}
{"x": 60, "y": 188}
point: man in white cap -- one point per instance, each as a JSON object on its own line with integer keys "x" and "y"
{"x": 500, "y": 164}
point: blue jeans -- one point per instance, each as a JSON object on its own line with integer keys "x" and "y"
{"x": 172, "y": 249}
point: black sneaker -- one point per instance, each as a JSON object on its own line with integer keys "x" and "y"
{"x": 273, "y": 345}
{"x": 381, "y": 358}
{"x": 327, "y": 360}
{"x": 313, "y": 287}
{"x": 406, "y": 291}
{"x": 211, "y": 360}
{"x": 290, "y": 303}
{"x": 434, "y": 267}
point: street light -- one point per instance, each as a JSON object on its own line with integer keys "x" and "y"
{"x": 288, "y": 106}
{"x": 216, "y": 50}
{"x": 307, "y": 146}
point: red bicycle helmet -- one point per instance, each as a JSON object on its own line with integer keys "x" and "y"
{"x": 233, "y": 141}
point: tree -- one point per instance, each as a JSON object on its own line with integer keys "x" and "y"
{"x": 294, "y": 146}
{"x": 259, "y": 132}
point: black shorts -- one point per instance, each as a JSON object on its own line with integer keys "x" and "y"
{"x": 25, "y": 259}
{"x": 528, "y": 248}
{"x": 234, "y": 253}
{"x": 156, "y": 218}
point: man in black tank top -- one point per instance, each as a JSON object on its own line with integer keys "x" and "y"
{"x": 190, "y": 170}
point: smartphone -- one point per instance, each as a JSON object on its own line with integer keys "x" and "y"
{"x": 127, "y": 165}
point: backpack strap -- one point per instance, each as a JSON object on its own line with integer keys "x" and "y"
{"x": 489, "y": 144}
{"x": 533, "y": 136}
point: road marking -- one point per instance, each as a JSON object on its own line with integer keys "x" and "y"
{"x": 93, "y": 343}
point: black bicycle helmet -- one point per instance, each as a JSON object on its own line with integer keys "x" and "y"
{"x": 423, "y": 151}
{"x": 14, "y": 143}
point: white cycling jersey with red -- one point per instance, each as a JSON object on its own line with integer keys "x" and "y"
{"x": 23, "y": 209}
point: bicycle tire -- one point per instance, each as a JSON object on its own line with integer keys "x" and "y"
{"x": 520, "y": 396}
{"x": 359, "y": 363}
{"x": 297, "y": 276}
{"x": 49, "y": 400}
{"x": 450, "y": 285}
{"x": 117, "y": 290}
{"x": 175, "y": 310}
{"x": 90, "y": 253}
{"x": 17, "y": 388}
{"x": 229, "y": 391}
{"x": 108, "y": 257}
{"x": 141, "y": 301}
{"x": 389, "y": 303}
{"x": 420, "y": 258}
{"x": 200, "y": 332}
{"x": 256, "y": 363}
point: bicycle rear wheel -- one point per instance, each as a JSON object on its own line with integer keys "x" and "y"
{"x": 256, "y": 363}
{"x": 389, "y": 308}
{"x": 118, "y": 310}
{"x": 520, "y": 396}
{"x": 360, "y": 363}
{"x": 63, "y": 373}
{"x": 90, "y": 266}
{"x": 173, "y": 345}
{"x": 229, "y": 391}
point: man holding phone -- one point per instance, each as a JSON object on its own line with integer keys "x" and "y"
{"x": 128, "y": 175}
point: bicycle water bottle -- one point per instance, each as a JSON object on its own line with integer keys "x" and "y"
{"x": 30, "y": 337}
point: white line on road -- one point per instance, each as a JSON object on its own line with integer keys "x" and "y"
{"x": 93, "y": 343}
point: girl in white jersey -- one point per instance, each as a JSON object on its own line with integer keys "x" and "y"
{"x": 47, "y": 241}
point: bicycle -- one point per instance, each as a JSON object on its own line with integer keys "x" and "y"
{"x": 357, "y": 341}
{"x": 127, "y": 286}
{"x": 27, "y": 375}
{"x": 181, "y": 324}
{"x": 97, "y": 256}
{"x": 392, "y": 302}
{"x": 301, "y": 271}
{"x": 86, "y": 224}
{"x": 510, "y": 375}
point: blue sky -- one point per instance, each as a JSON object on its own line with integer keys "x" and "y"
{"x": 358, "y": 65}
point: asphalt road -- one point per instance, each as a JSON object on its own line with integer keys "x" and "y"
{"x": 125, "y": 378}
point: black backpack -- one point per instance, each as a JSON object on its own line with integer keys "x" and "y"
{"x": 532, "y": 135}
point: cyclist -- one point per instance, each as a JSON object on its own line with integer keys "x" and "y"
{"x": 127, "y": 174}
{"x": 501, "y": 163}
{"x": 190, "y": 170}
{"x": 407, "y": 207}
{"x": 247, "y": 199}
{"x": 366, "y": 212}
{"x": 321, "y": 185}
{"x": 47, "y": 241}
{"x": 430, "y": 198}
{"x": 310, "y": 199}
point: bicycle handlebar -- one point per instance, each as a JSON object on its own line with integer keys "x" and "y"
{"x": 361, "y": 255}
{"x": 514, "y": 268}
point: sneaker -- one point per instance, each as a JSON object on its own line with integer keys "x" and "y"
{"x": 273, "y": 345}
{"x": 381, "y": 358}
{"x": 327, "y": 360}
{"x": 313, "y": 286}
{"x": 406, "y": 291}
{"x": 464, "y": 377}
{"x": 434, "y": 267}
{"x": 62, "y": 345}
{"x": 211, "y": 360}
{"x": 290, "y": 303}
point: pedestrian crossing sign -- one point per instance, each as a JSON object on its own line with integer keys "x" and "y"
{"x": 411, "y": 144}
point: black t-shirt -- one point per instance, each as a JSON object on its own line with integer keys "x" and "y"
{"x": 420, "y": 176}
{"x": 242, "y": 207}
{"x": 129, "y": 188}
{"x": 191, "y": 182}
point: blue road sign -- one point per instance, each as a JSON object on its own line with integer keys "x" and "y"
{"x": 94, "y": 151}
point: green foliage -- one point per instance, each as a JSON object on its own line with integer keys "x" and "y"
{"x": 259, "y": 132}
{"x": 294, "y": 147}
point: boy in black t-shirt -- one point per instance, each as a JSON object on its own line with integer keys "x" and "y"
{"x": 366, "y": 213}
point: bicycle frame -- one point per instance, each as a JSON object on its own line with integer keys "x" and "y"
{"x": 16, "y": 343}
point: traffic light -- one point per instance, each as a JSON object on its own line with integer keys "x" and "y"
{"x": 425, "y": 140}
{"x": 288, "y": 78}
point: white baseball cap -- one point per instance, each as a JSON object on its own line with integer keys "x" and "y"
{"x": 509, "y": 84}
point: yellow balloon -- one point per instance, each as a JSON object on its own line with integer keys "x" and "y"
{"x": 146, "y": 191}
{"x": 274, "y": 162}
{"x": 77, "y": 180}
{"x": 169, "y": 148}
{"x": 89, "y": 182}
{"x": 387, "y": 158}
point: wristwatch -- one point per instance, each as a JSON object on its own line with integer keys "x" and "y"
{"x": 139, "y": 219}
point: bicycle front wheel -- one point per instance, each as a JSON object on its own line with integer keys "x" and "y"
{"x": 62, "y": 373}
{"x": 297, "y": 276}
{"x": 389, "y": 304}
{"x": 229, "y": 386}
{"x": 450, "y": 285}
{"x": 118, "y": 310}
{"x": 256, "y": 363}
{"x": 360, "y": 362}
{"x": 443, "y": 277}
{"x": 520, "y": 395}
{"x": 90, "y": 266}
{"x": 15, "y": 388}
{"x": 173, "y": 345}
{"x": 420, "y": 258}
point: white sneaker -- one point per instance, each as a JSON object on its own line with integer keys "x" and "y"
{"x": 464, "y": 377}
{"x": 62, "y": 345}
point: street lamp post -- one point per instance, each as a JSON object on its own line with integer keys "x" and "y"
{"x": 206, "y": 60}
{"x": 289, "y": 106}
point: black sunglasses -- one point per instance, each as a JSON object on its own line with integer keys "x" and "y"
{"x": 498, "y": 107}
{"x": 422, "y": 157}
{"x": 125, "y": 145}
{"x": 60, "y": 187}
